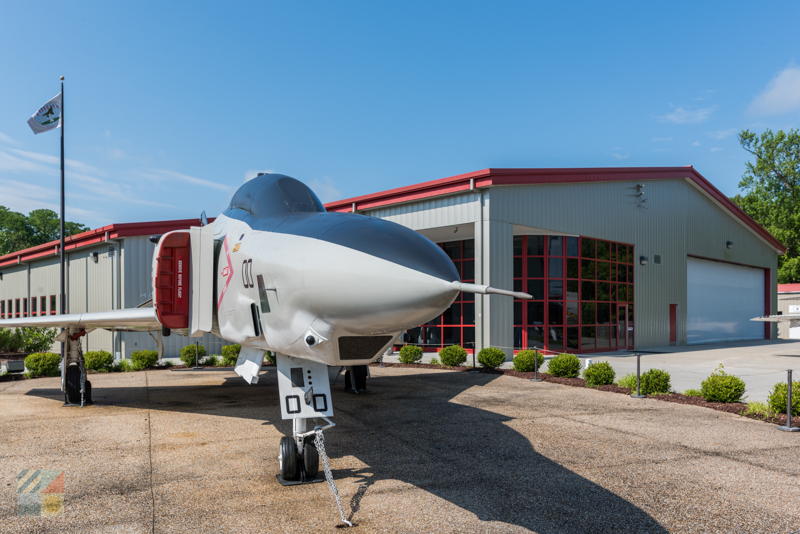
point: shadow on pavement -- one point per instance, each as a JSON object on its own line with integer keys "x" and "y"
{"x": 408, "y": 429}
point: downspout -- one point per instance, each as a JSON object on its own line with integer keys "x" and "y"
{"x": 116, "y": 342}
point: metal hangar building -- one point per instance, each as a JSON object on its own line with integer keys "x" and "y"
{"x": 615, "y": 258}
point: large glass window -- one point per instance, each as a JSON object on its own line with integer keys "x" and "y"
{"x": 578, "y": 285}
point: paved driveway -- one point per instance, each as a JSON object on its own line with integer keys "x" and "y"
{"x": 425, "y": 451}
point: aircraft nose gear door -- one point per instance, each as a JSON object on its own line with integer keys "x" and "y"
{"x": 305, "y": 393}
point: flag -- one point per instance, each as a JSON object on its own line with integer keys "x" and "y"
{"x": 48, "y": 116}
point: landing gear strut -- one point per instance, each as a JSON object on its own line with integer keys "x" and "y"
{"x": 77, "y": 390}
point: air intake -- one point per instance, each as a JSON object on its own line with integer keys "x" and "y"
{"x": 361, "y": 347}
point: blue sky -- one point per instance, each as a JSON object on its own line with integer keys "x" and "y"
{"x": 170, "y": 107}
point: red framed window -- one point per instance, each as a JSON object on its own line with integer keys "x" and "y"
{"x": 582, "y": 292}
{"x": 24, "y": 307}
{"x": 43, "y": 306}
{"x": 34, "y": 312}
{"x": 52, "y": 304}
{"x": 10, "y": 313}
{"x": 16, "y": 308}
{"x": 456, "y": 326}
{"x": 2, "y": 309}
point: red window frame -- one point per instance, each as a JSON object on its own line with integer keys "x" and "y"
{"x": 53, "y": 303}
{"x": 16, "y": 308}
{"x": 456, "y": 326}
{"x": 10, "y": 312}
{"x": 34, "y": 307}
{"x": 576, "y": 304}
{"x": 2, "y": 309}
{"x": 43, "y": 306}
{"x": 24, "y": 307}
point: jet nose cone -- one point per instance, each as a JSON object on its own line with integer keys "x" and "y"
{"x": 395, "y": 243}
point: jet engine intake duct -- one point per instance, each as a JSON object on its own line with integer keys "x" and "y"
{"x": 172, "y": 280}
{"x": 361, "y": 347}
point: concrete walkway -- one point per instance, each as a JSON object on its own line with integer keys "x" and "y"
{"x": 761, "y": 364}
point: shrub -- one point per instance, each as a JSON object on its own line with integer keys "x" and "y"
{"x": 599, "y": 374}
{"x": 453, "y": 355}
{"x": 10, "y": 340}
{"x": 98, "y": 360}
{"x": 435, "y": 361}
{"x": 270, "y": 357}
{"x": 410, "y": 354}
{"x": 777, "y": 399}
{"x": 121, "y": 366}
{"x": 143, "y": 359}
{"x": 230, "y": 353}
{"x": 188, "y": 354}
{"x": 722, "y": 387}
{"x": 654, "y": 381}
{"x": 760, "y": 408}
{"x": 525, "y": 359}
{"x": 628, "y": 381}
{"x": 46, "y": 364}
{"x": 564, "y": 364}
{"x": 36, "y": 339}
{"x": 693, "y": 393}
{"x": 212, "y": 360}
{"x": 491, "y": 357}
{"x": 164, "y": 364}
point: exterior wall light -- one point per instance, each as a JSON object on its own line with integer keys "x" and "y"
{"x": 94, "y": 256}
{"x": 729, "y": 244}
{"x": 642, "y": 260}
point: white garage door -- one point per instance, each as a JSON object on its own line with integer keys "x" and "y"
{"x": 721, "y": 300}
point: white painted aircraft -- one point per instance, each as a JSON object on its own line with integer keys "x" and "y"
{"x": 276, "y": 272}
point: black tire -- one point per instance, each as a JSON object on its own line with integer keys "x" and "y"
{"x": 87, "y": 396}
{"x": 72, "y": 391}
{"x": 310, "y": 458}
{"x": 288, "y": 458}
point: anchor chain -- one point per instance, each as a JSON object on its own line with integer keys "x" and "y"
{"x": 319, "y": 443}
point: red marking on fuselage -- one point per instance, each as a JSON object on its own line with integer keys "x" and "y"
{"x": 226, "y": 272}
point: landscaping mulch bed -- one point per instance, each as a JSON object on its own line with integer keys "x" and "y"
{"x": 736, "y": 408}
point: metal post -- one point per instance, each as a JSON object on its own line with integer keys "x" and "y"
{"x": 789, "y": 427}
{"x": 638, "y": 383}
{"x": 474, "y": 349}
{"x": 536, "y": 367}
{"x": 196, "y": 355}
{"x": 63, "y": 306}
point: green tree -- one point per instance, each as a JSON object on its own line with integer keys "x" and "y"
{"x": 18, "y": 232}
{"x": 771, "y": 186}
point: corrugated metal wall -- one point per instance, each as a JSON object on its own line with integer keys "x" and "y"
{"x": 676, "y": 220}
{"x": 14, "y": 284}
{"x": 784, "y": 301}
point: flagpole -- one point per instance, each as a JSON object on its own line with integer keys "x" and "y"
{"x": 63, "y": 305}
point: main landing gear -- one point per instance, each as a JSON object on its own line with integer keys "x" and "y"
{"x": 77, "y": 390}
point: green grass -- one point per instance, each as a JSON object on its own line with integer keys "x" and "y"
{"x": 759, "y": 408}
{"x": 435, "y": 361}
{"x": 693, "y": 393}
{"x": 627, "y": 381}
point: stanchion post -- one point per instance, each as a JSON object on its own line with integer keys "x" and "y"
{"x": 789, "y": 427}
{"x": 474, "y": 370}
{"x": 638, "y": 384}
{"x": 536, "y": 367}
{"x": 197, "y": 355}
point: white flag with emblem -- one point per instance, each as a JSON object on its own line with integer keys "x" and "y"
{"x": 48, "y": 116}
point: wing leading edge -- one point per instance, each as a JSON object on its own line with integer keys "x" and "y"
{"x": 128, "y": 320}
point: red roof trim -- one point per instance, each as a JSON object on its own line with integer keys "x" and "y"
{"x": 93, "y": 237}
{"x": 788, "y": 288}
{"x": 495, "y": 177}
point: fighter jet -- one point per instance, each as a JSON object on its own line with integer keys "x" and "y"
{"x": 276, "y": 272}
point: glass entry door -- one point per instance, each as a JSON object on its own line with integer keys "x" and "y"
{"x": 622, "y": 326}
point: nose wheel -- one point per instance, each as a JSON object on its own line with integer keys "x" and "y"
{"x": 298, "y": 467}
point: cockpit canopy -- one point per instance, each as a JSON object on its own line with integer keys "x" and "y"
{"x": 270, "y": 195}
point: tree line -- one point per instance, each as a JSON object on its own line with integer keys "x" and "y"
{"x": 19, "y": 231}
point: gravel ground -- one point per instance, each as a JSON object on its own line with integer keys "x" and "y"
{"x": 424, "y": 451}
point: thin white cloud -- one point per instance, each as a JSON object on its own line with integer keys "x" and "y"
{"x": 160, "y": 174}
{"x": 619, "y": 156}
{"x": 722, "y": 134}
{"x": 782, "y": 94}
{"x": 683, "y": 115}
{"x": 660, "y": 139}
{"x": 696, "y": 143}
{"x": 6, "y": 139}
{"x": 71, "y": 164}
{"x": 716, "y": 149}
{"x": 325, "y": 189}
{"x": 252, "y": 173}
{"x": 26, "y": 197}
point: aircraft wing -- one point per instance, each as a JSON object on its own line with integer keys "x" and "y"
{"x": 128, "y": 320}
{"x": 793, "y": 320}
